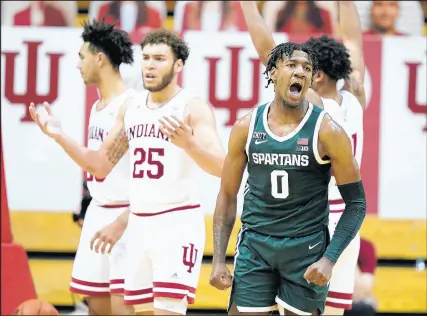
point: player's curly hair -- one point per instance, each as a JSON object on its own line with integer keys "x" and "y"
{"x": 114, "y": 43}
{"x": 179, "y": 48}
{"x": 332, "y": 56}
{"x": 286, "y": 50}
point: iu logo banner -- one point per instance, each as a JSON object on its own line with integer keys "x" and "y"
{"x": 31, "y": 94}
{"x": 36, "y": 69}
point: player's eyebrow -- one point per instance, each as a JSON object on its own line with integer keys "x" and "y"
{"x": 154, "y": 55}
{"x": 299, "y": 59}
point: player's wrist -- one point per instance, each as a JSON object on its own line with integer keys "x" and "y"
{"x": 325, "y": 257}
{"x": 190, "y": 145}
{"x": 218, "y": 260}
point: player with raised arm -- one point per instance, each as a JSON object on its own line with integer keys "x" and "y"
{"x": 336, "y": 61}
{"x": 168, "y": 131}
{"x": 101, "y": 278}
{"x": 284, "y": 256}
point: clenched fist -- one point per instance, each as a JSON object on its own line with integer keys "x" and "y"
{"x": 220, "y": 276}
{"x": 319, "y": 272}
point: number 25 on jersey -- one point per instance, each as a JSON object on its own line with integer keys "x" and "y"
{"x": 147, "y": 163}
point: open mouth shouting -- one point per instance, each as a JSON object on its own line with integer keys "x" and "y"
{"x": 295, "y": 90}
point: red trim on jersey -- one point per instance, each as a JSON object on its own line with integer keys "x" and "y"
{"x": 92, "y": 284}
{"x": 181, "y": 208}
{"x": 342, "y": 296}
{"x": 336, "y": 202}
{"x": 89, "y": 293}
{"x": 117, "y": 281}
{"x": 138, "y": 292}
{"x": 103, "y": 287}
{"x": 118, "y": 290}
{"x": 145, "y": 300}
{"x": 114, "y": 206}
{"x": 165, "y": 286}
{"x": 339, "y": 305}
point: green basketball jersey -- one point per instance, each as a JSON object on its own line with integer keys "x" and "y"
{"x": 286, "y": 194}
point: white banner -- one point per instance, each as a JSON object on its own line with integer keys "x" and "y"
{"x": 403, "y": 132}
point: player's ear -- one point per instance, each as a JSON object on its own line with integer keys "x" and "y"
{"x": 179, "y": 64}
{"x": 100, "y": 59}
{"x": 318, "y": 76}
{"x": 273, "y": 74}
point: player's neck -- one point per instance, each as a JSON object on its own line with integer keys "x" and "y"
{"x": 285, "y": 114}
{"x": 111, "y": 87}
{"x": 164, "y": 95}
{"x": 329, "y": 91}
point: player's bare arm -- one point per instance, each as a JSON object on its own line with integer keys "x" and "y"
{"x": 226, "y": 204}
{"x": 263, "y": 40}
{"x": 335, "y": 144}
{"x": 97, "y": 162}
{"x": 198, "y": 136}
{"x": 352, "y": 36}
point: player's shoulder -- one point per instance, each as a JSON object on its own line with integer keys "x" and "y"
{"x": 330, "y": 129}
{"x": 249, "y": 118}
{"x": 350, "y": 100}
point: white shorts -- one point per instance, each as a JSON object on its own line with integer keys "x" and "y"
{"x": 164, "y": 257}
{"x": 341, "y": 285}
{"x": 97, "y": 274}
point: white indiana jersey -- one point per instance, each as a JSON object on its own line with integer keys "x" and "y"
{"x": 350, "y": 116}
{"x": 161, "y": 174}
{"x": 112, "y": 190}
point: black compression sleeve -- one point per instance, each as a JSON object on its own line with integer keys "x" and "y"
{"x": 349, "y": 224}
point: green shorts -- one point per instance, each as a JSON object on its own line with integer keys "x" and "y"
{"x": 269, "y": 271}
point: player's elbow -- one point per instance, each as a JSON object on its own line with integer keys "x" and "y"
{"x": 97, "y": 166}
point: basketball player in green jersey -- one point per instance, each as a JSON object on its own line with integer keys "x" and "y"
{"x": 283, "y": 257}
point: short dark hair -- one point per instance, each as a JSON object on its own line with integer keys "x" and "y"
{"x": 114, "y": 43}
{"x": 287, "y": 49}
{"x": 332, "y": 56}
{"x": 179, "y": 48}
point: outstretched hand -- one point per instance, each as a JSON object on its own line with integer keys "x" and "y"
{"x": 44, "y": 119}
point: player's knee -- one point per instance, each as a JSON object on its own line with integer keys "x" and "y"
{"x": 333, "y": 311}
{"x": 99, "y": 305}
{"x": 118, "y": 306}
{"x": 166, "y": 306}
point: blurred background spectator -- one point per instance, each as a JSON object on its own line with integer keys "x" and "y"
{"x": 301, "y": 17}
{"x": 208, "y": 16}
{"x": 39, "y": 13}
{"x": 364, "y": 301}
{"x": 135, "y": 17}
{"x": 391, "y": 17}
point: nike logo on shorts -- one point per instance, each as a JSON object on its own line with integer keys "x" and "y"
{"x": 311, "y": 247}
